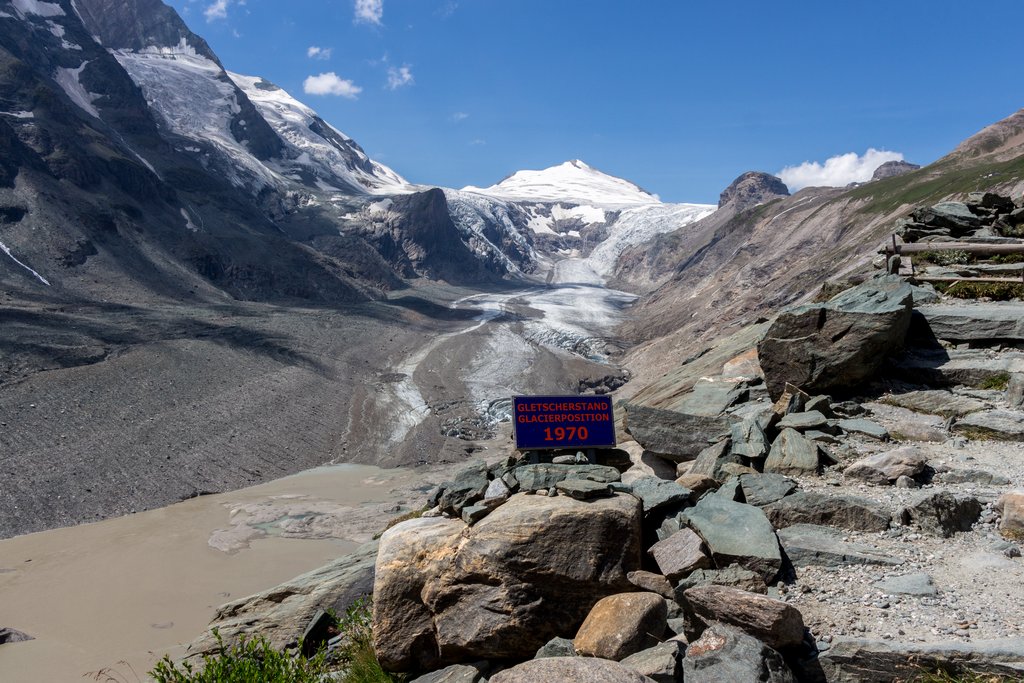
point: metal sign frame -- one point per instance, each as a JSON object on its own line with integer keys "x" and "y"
{"x": 564, "y": 417}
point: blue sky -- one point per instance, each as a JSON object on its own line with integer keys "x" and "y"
{"x": 679, "y": 97}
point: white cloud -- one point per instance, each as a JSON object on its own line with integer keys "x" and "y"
{"x": 331, "y": 84}
{"x": 399, "y": 77}
{"x": 218, "y": 9}
{"x": 369, "y": 11}
{"x": 838, "y": 171}
{"x": 478, "y": 141}
{"x": 459, "y": 116}
{"x": 314, "y": 52}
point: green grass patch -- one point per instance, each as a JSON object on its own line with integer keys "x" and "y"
{"x": 998, "y": 382}
{"x": 247, "y": 661}
{"x": 965, "y": 677}
{"x": 1007, "y": 258}
{"x": 946, "y": 258}
{"x": 356, "y": 656}
{"x": 997, "y": 291}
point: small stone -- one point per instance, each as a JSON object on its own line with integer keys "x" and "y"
{"x": 654, "y": 583}
{"x": 621, "y": 625}
{"x": 905, "y": 482}
{"x": 680, "y": 554}
{"x": 865, "y": 427}
{"x": 581, "y": 489}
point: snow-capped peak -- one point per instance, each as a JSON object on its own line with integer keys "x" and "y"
{"x": 570, "y": 181}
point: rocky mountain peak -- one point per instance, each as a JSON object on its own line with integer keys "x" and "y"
{"x": 140, "y": 25}
{"x": 753, "y": 188}
{"x": 891, "y": 169}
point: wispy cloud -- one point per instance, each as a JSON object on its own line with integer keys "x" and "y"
{"x": 315, "y": 52}
{"x": 218, "y": 9}
{"x": 447, "y": 8}
{"x": 369, "y": 11}
{"x": 478, "y": 141}
{"x": 399, "y": 77}
{"x": 331, "y": 84}
{"x": 837, "y": 171}
{"x": 459, "y": 116}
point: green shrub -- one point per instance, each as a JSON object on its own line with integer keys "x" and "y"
{"x": 998, "y": 382}
{"x": 356, "y": 655}
{"x": 246, "y": 662}
{"x": 947, "y": 258}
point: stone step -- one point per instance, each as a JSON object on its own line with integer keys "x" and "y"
{"x": 995, "y": 321}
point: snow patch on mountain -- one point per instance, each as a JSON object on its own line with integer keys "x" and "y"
{"x": 68, "y": 80}
{"x": 572, "y": 181}
{"x": 335, "y": 158}
{"x": 37, "y": 7}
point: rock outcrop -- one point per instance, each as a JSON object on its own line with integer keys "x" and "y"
{"x": 837, "y": 345}
{"x": 891, "y": 169}
{"x": 752, "y": 188}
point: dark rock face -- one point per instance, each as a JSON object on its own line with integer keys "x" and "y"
{"x": 673, "y": 434}
{"x": 752, "y": 188}
{"x": 851, "y": 659}
{"x": 838, "y": 344}
{"x": 813, "y": 507}
{"x": 725, "y": 653}
{"x": 942, "y": 513}
{"x": 891, "y": 169}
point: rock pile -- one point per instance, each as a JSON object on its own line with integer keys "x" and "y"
{"x": 984, "y": 215}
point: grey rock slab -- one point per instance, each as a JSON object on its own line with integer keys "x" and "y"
{"x": 1015, "y": 390}
{"x": 762, "y": 489}
{"x": 749, "y": 439}
{"x": 673, "y": 434}
{"x": 998, "y": 425}
{"x": 680, "y": 554}
{"x": 852, "y": 660}
{"x": 569, "y": 670}
{"x": 733, "y": 575}
{"x": 497, "y": 489}
{"x": 809, "y": 419}
{"x": 281, "y": 613}
{"x": 736, "y": 532}
{"x": 885, "y": 468}
{"x": 456, "y": 673}
{"x": 724, "y": 653}
{"x": 942, "y": 513}
{"x": 970, "y": 476}
{"x": 546, "y": 475}
{"x": 711, "y": 398}
{"x": 711, "y": 461}
{"x": 993, "y": 321}
{"x": 792, "y": 453}
{"x": 662, "y": 663}
{"x": 10, "y": 635}
{"x": 583, "y": 489}
{"x": 837, "y": 344}
{"x": 813, "y": 545}
{"x": 815, "y": 507}
{"x": 865, "y": 427}
{"x": 471, "y": 514}
{"x": 936, "y": 402}
{"x": 821, "y": 404}
{"x": 919, "y": 584}
{"x": 942, "y": 367}
{"x": 657, "y": 493}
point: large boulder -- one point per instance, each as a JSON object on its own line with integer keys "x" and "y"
{"x": 793, "y": 453}
{"x": 885, "y": 468}
{"x": 569, "y": 670}
{"x": 736, "y": 533}
{"x": 772, "y": 621}
{"x": 724, "y": 653}
{"x": 281, "y": 614}
{"x": 838, "y": 344}
{"x": 943, "y": 513}
{"x": 621, "y": 625}
{"x": 411, "y": 556}
{"x": 814, "y": 507}
{"x": 673, "y": 434}
{"x": 446, "y": 593}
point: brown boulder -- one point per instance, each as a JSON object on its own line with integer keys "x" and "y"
{"x": 621, "y": 625}
{"x": 772, "y": 621}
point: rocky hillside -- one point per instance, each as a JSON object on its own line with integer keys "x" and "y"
{"x": 728, "y": 269}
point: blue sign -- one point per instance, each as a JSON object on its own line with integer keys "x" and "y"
{"x": 549, "y": 422}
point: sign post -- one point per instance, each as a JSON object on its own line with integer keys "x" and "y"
{"x": 557, "y": 422}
